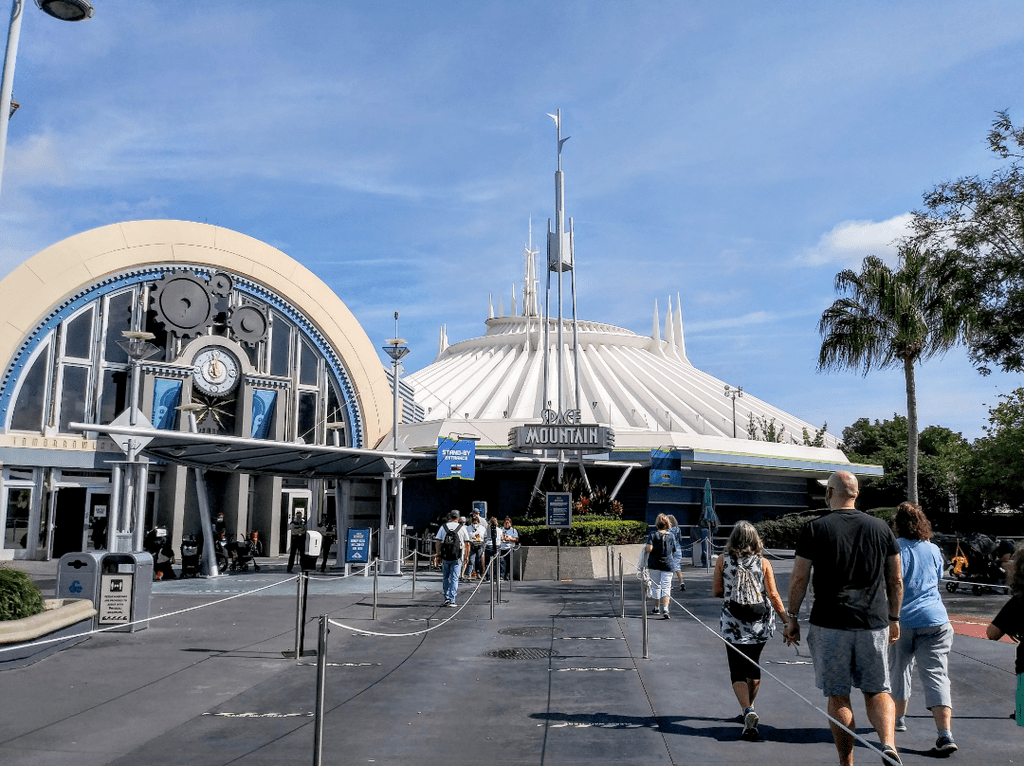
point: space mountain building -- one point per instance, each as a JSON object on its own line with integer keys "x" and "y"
{"x": 657, "y": 427}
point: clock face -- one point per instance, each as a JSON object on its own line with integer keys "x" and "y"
{"x": 217, "y": 371}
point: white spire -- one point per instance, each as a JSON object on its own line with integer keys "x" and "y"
{"x": 670, "y": 343}
{"x": 530, "y": 306}
{"x": 656, "y": 332}
{"x": 513, "y": 312}
{"x": 490, "y": 305}
{"x": 442, "y": 341}
{"x": 680, "y": 340}
{"x": 501, "y": 306}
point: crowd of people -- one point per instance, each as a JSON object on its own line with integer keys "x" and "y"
{"x": 465, "y": 551}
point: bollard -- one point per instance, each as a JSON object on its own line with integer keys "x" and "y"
{"x": 321, "y": 679}
{"x": 415, "y": 569}
{"x": 493, "y": 582}
{"x": 298, "y": 617}
{"x": 511, "y": 568}
{"x": 376, "y": 567}
{"x": 622, "y": 590}
{"x": 643, "y": 587}
{"x": 520, "y": 569}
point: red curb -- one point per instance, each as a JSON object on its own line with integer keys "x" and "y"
{"x": 974, "y": 627}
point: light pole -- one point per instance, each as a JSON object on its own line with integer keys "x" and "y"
{"x": 65, "y": 10}
{"x": 735, "y": 393}
{"x": 392, "y": 535}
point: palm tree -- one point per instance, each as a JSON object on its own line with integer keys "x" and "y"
{"x": 890, "y": 318}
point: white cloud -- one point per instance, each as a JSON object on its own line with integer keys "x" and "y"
{"x": 850, "y": 242}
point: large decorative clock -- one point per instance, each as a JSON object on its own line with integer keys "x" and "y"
{"x": 217, "y": 371}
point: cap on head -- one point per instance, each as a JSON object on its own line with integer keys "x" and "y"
{"x": 453, "y": 514}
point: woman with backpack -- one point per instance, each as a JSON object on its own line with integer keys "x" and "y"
{"x": 744, "y": 578}
{"x": 661, "y": 550}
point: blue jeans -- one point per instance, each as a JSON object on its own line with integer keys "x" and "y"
{"x": 450, "y": 578}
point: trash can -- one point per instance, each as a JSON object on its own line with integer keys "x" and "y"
{"x": 126, "y": 585}
{"x": 78, "y": 576}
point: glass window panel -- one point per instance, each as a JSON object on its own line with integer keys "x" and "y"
{"x": 306, "y": 426}
{"x": 79, "y": 336}
{"x": 72, "y": 404}
{"x": 115, "y": 394}
{"x": 28, "y": 411}
{"x": 307, "y": 369}
{"x": 19, "y": 503}
{"x": 119, "y": 317}
{"x": 280, "y": 341}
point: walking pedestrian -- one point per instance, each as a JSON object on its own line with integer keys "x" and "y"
{"x": 858, "y": 591}
{"x": 509, "y": 538}
{"x": 660, "y": 547}
{"x": 475, "y": 561}
{"x": 297, "y": 543}
{"x": 926, "y": 635}
{"x": 451, "y": 546}
{"x": 677, "y": 560}
{"x": 744, "y": 578}
{"x": 1010, "y": 622}
{"x": 492, "y": 541}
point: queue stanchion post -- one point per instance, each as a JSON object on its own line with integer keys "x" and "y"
{"x": 376, "y": 567}
{"x": 415, "y": 569}
{"x": 493, "y": 582}
{"x": 643, "y": 588}
{"x": 298, "y": 618}
{"x": 321, "y": 684}
{"x": 622, "y": 590}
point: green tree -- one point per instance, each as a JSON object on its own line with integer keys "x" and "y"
{"x": 997, "y": 466}
{"x": 893, "y": 318}
{"x": 761, "y": 429}
{"x": 980, "y": 221}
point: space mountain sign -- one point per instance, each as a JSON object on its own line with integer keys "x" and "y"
{"x": 561, "y": 431}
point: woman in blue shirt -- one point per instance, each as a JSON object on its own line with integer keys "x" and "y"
{"x": 925, "y": 633}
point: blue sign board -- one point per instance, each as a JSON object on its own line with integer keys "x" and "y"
{"x": 456, "y": 459}
{"x": 559, "y": 509}
{"x": 666, "y": 468}
{"x": 357, "y": 547}
{"x": 480, "y": 506}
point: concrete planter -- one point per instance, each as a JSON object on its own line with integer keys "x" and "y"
{"x": 62, "y": 618}
{"x": 548, "y": 562}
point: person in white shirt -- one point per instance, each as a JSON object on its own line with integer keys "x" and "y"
{"x": 451, "y": 560}
{"x": 493, "y": 538}
{"x": 475, "y": 561}
{"x": 509, "y": 539}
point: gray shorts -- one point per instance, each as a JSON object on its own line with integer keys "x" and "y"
{"x": 928, "y": 648}
{"x": 848, "y": 658}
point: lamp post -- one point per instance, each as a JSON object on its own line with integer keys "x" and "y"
{"x": 391, "y": 535}
{"x": 65, "y": 10}
{"x": 735, "y": 393}
{"x": 132, "y": 512}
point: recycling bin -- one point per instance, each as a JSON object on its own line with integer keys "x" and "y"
{"x": 125, "y": 589}
{"x": 78, "y": 576}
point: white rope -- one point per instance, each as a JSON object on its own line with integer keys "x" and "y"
{"x": 45, "y": 641}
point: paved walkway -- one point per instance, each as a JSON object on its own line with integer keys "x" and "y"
{"x": 557, "y": 677}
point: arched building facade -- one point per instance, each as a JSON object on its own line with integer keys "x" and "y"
{"x": 252, "y": 339}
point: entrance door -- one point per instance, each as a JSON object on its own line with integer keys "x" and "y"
{"x": 293, "y": 501}
{"x": 69, "y": 525}
{"x": 99, "y": 506}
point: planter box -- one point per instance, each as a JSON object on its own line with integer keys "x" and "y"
{"x": 547, "y": 562}
{"x": 63, "y": 618}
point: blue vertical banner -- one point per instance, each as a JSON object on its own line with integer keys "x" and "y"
{"x": 456, "y": 459}
{"x": 666, "y": 468}
{"x": 166, "y": 397}
{"x": 262, "y": 412}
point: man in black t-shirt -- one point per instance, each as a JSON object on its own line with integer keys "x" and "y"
{"x": 1010, "y": 622}
{"x": 858, "y": 590}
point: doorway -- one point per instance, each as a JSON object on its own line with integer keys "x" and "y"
{"x": 293, "y": 501}
{"x": 69, "y": 521}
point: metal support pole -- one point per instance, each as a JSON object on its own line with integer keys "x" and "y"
{"x": 558, "y": 555}
{"x": 492, "y": 583}
{"x": 415, "y": 569}
{"x": 511, "y": 567}
{"x": 298, "y": 617}
{"x": 643, "y": 588}
{"x": 321, "y": 679}
{"x": 304, "y": 579}
{"x": 376, "y": 568}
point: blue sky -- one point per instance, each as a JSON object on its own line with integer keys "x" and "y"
{"x": 736, "y": 153}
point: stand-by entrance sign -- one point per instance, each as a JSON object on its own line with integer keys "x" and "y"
{"x": 559, "y": 510}
{"x": 357, "y": 546}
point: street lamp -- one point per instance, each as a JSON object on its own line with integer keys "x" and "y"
{"x": 65, "y": 10}
{"x": 735, "y": 393}
{"x": 392, "y": 534}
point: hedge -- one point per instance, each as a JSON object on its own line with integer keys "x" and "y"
{"x": 784, "y": 531}
{"x": 586, "y": 533}
{"x": 19, "y": 596}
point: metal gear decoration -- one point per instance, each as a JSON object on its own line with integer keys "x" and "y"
{"x": 221, "y": 284}
{"x": 249, "y": 324}
{"x": 183, "y": 303}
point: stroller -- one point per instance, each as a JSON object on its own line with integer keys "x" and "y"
{"x": 189, "y": 557}
{"x": 978, "y": 559}
{"x": 242, "y": 554}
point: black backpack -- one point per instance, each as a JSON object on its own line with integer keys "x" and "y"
{"x": 451, "y": 546}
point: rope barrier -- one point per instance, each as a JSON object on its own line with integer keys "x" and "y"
{"x": 86, "y": 634}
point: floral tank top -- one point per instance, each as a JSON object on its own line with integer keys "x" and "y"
{"x": 735, "y": 630}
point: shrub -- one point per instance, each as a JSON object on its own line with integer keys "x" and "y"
{"x": 586, "y": 533}
{"x": 19, "y": 596}
{"x": 784, "y": 532}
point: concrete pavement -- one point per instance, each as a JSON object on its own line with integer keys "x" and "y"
{"x": 557, "y": 677}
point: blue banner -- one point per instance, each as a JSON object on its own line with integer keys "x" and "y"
{"x": 262, "y": 412}
{"x": 357, "y": 546}
{"x": 166, "y": 397}
{"x": 666, "y": 468}
{"x": 456, "y": 459}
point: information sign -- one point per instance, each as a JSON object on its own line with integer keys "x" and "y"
{"x": 559, "y": 510}
{"x": 357, "y": 547}
{"x": 116, "y": 599}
